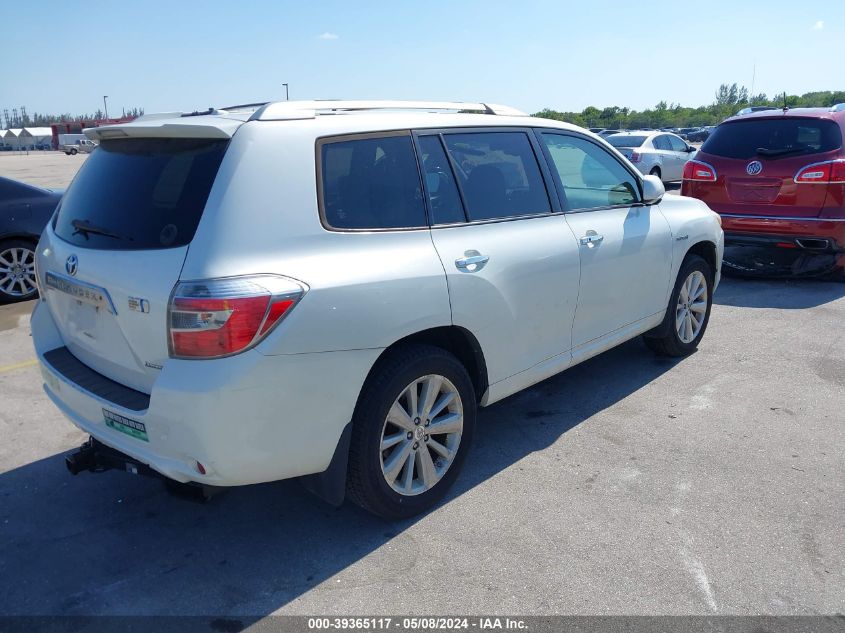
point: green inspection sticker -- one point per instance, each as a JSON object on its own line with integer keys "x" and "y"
{"x": 132, "y": 428}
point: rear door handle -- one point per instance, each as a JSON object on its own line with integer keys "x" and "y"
{"x": 472, "y": 262}
{"x": 591, "y": 238}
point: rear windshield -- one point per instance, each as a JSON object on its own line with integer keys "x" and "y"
{"x": 140, "y": 193}
{"x": 773, "y": 138}
{"x": 626, "y": 141}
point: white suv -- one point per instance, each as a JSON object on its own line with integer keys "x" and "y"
{"x": 329, "y": 290}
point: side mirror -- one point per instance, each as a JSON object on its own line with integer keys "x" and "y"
{"x": 690, "y": 148}
{"x": 653, "y": 189}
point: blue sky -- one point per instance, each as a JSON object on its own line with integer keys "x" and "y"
{"x": 181, "y": 55}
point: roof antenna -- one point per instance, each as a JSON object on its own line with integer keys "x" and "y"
{"x": 785, "y": 107}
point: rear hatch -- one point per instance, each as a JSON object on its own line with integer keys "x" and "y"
{"x": 116, "y": 245}
{"x": 756, "y": 161}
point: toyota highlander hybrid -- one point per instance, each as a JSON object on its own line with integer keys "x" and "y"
{"x": 329, "y": 290}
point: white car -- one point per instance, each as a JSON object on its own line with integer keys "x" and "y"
{"x": 660, "y": 154}
{"x": 329, "y": 290}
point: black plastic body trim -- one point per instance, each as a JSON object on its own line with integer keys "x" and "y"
{"x": 75, "y": 371}
{"x": 330, "y": 485}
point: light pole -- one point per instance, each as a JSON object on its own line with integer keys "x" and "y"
{"x": 106, "y": 106}
{"x": 287, "y": 95}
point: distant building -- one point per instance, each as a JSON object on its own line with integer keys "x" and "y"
{"x": 76, "y": 127}
{"x": 35, "y": 137}
{"x": 10, "y": 138}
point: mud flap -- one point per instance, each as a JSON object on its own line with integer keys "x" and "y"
{"x": 330, "y": 485}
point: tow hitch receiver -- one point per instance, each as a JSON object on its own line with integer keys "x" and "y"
{"x": 96, "y": 457}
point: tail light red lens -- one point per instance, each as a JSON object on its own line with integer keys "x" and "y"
{"x": 697, "y": 170}
{"x": 827, "y": 172}
{"x": 221, "y": 317}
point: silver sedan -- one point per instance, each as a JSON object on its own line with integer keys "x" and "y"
{"x": 660, "y": 154}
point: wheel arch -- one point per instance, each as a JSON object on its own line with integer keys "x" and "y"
{"x": 456, "y": 340}
{"x": 19, "y": 235}
{"x": 707, "y": 251}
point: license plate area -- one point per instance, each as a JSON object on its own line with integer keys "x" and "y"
{"x": 81, "y": 291}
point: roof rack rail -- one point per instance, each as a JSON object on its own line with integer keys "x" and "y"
{"x": 244, "y": 106}
{"x": 282, "y": 110}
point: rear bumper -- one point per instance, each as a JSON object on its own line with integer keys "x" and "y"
{"x": 805, "y": 245}
{"x": 247, "y": 419}
{"x": 786, "y": 228}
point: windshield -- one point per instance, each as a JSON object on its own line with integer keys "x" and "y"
{"x": 773, "y": 138}
{"x": 140, "y": 193}
{"x": 626, "y": 141}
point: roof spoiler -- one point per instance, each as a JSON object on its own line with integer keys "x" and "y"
{"x": 168, "y": 125}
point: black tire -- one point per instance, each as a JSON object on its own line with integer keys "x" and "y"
{"x": 366, "y": 483}
{"x": 73, "y": 152}
{"x": 6, "y": 297}
{"x": 655, "y": 171}
{"x": 664, "y": 340}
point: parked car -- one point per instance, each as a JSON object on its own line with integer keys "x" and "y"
{"x": 237, "y": 324}
{"x": 84, "y": 146}
{"x": 777, "y": 178}
{"x": 684, "y": 132}
{"x": 24, "y": 212}
{"x": 755, "y": 109}
{"x": 596, "y": 130}
{"x": 606, "y": 133}
{"x": 656, "y": 153}
{"x": 701, "y": 135}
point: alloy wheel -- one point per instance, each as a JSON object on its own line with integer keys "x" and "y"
{"x": 421, "y": 435}
{"x": 691, "y": 309}
{"x": 17, "y": 272}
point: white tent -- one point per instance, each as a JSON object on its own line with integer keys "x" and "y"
{"x": 11, "y": 137}
{"x": 35, "y": 136}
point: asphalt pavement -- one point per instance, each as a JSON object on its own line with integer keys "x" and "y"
{"x": 629, "y": 484}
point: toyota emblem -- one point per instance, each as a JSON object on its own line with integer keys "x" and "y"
{"x": 754, "y": 167}
{"x": 71, "y": 265}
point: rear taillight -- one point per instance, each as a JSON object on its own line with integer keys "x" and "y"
{"x": 636, "y": 157}
{"x": 697, "y": 170}
{"x": 827, "y": 172}
{"x": 221, "y": 317}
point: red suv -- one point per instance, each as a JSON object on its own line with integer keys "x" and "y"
{"x": 777, "y": 178}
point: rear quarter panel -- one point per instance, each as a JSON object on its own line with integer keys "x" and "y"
{"x": 365, "y": 289}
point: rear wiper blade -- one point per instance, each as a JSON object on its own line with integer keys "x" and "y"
{"x": 86, "y": 228}
{"x": 765, "y": 151}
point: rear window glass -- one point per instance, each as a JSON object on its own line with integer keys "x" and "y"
{"x": 773, "y": 138}
{"x": 498, "y": 174}
{"x": 626, "y": 141}
{"x": 372, "y": 183}
{"x": 140, "y": 193}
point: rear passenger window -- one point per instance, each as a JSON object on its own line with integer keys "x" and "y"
{"x": 444, "y": 199}
{"x": 662, "y": 142}
{"x": 677, "y": 144}
{"x": 590, "y": 176}
{"x": 371, "y": 183}
{"x": 498, "y": 174}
